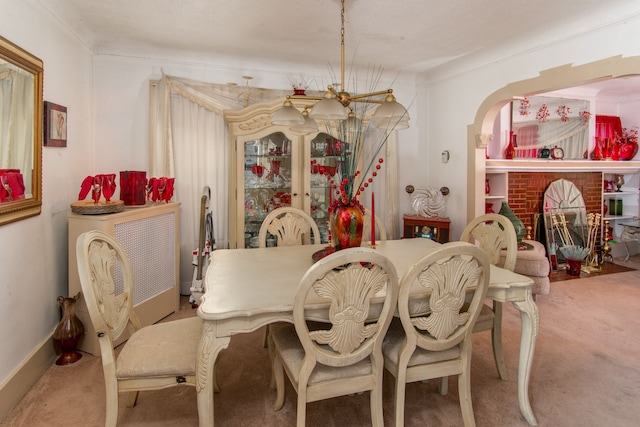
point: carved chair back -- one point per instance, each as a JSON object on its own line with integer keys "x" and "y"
{"x": 290, "y": 226}
{"x": 493, "y": 233}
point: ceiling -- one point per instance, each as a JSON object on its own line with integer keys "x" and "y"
{"x": 397, "y": 35}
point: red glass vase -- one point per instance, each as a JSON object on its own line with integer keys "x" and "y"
{"x": 346, "y": 227}
{"x": 627, "y": 149}
{"x": 596, "y": 154}
{"x": 510, "y": 151}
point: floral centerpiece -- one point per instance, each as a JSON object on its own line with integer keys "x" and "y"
{"x": 357, "y": 167}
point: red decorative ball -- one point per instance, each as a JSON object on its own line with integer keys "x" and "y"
{"x": 377, "y": 166}
{"x": 380, "y": 160}
{"x": 370, "y": 180}
{"x": 374, "y": 173}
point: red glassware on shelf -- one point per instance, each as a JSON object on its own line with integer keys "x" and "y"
{"x": 627, "y": 149}
{"x": 596, "y": 154}
{"x": 510, "y": 151}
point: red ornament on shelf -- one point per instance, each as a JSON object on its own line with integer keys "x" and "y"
{"x": 627, "y": 149}
{"x": 510, "y": 151}
{"x": 596, "y": 154}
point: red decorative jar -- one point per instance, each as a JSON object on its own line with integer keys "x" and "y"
{"x": 627, "y": 149}
{"x": 346, "y": 226}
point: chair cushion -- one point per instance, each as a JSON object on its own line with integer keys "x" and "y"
{"x": 393, "y": 342}
{"x": 162, "y": 349}
{"x": 287, "y": 342}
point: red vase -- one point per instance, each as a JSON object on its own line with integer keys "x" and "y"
{"x": 346, "y": 227}
{"x": 596, "y": 154}
{"x": 510, "y": 151}
{"x": 627, "y": 149}
{"x": 69, "y": 331}
{"x": 488, "y": 208}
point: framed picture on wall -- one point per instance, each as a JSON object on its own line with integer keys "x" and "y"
{"x": 55, "y": 125}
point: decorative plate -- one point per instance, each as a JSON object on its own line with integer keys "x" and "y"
{"x": 428, "y": 202}
{"x": 88, "y": 207}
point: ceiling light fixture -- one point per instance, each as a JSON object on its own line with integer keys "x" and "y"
{"x": 334, "y": 105}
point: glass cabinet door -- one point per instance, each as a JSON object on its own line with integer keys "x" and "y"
{"x": 267, "y": 180}
{"x": 324, "y": 167}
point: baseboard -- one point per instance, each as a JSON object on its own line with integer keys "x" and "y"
{"x": 26, "y": 375}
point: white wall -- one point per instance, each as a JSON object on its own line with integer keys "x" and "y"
{"x": 33, "y": 252}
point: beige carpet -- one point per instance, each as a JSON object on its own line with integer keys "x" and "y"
{"x": 586, "y": 372}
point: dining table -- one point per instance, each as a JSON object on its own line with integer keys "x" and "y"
{"x": 246, "y": 289}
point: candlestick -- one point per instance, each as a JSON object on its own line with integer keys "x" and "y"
{"x": 373, "y": 221}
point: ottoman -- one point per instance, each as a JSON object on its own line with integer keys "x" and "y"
{"x": 535, "y": 264}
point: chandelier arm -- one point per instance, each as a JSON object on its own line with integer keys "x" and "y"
{"x": 368, "y": 95}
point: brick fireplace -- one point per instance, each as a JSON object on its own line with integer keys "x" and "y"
{"x": 526, "y": 191}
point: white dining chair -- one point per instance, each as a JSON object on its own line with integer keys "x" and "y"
{"x": 290, "y": 226}
{"x": 433, "y": 337}
{"x": 334, "y": 347}
{"x": 154, "y": 357}
{"x": 496, "y": 236}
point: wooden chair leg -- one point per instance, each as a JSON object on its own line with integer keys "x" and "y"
{"x": 399, "y": 398}
{"x": 464, "y": 393}
{"x": 278, "y": 374}
{"x": 496, "y": 341}
{"x": 443, "y": 387}
{"x": 375, "y": 400}
{"x": 132, "y": 399}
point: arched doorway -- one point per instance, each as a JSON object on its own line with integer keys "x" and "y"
{"x": 480, "y": 133}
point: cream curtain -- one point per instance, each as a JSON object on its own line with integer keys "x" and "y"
{"x": 188, "y": 141}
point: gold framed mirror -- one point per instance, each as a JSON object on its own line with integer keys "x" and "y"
{"x": 21, "y": 79}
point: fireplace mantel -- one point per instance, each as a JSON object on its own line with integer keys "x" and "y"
{"x": 544, "y": 165}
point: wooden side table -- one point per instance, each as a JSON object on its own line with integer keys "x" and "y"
{"x": 434, "y": 228}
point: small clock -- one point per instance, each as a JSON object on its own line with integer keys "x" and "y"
{"x": 557, "y": 153}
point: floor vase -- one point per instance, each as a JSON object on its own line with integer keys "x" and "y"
{"x": 69, "y": 331}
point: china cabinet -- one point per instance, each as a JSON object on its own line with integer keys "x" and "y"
{"x": 271, "y": 166}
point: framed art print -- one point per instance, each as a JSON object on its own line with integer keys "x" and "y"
{"x": 55, "y": 125}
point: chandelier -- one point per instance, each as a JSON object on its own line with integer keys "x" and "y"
{"x": 336, "y": 105}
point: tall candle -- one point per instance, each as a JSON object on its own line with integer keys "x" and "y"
{"x": 373, "y": 221}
